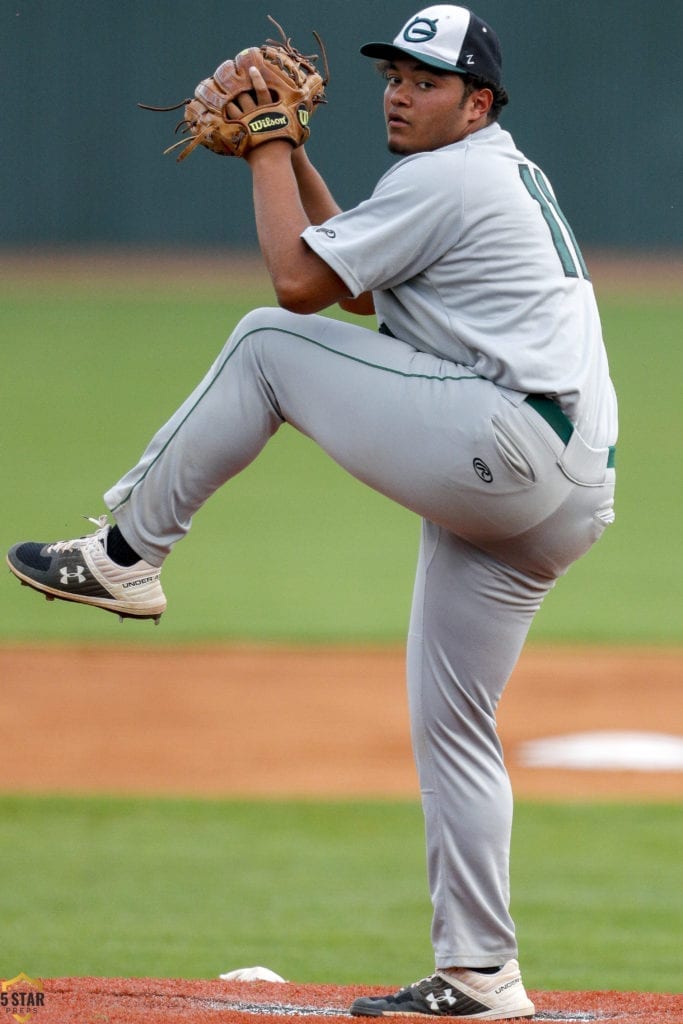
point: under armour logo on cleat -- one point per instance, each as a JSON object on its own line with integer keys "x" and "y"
{"x": 65, "y": 577}
{"x": 446, "y": 999}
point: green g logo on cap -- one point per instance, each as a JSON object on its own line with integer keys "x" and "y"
{"x": 419, "y": 30}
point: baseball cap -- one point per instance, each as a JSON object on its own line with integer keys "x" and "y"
{"x": 447, "y": 37}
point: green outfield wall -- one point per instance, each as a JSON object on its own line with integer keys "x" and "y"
{"x": 595, "y": 88}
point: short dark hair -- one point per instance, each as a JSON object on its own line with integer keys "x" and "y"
{"x": 500, "y": 96}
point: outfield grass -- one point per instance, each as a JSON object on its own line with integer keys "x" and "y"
{"x": 323, "y": 892}
{"x": 295, "y": 549}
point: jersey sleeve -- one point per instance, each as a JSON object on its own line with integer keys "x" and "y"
{"x": 412, "y": 217}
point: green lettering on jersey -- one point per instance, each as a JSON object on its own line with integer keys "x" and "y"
{"x": 564, "y": 241}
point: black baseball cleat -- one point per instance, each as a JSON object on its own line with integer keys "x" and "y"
{"x": 459, "y": 992}
{"x": 81, "y": 571}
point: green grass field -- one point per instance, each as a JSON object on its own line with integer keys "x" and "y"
{"x": 295, "y": 550}
{"x": 324, "y": 892}
{"x": 89, "y": 375}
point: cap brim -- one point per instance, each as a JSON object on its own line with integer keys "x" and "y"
{"x": 387, "y": 51}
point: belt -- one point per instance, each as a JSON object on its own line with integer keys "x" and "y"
{"x": 561, "y": 424}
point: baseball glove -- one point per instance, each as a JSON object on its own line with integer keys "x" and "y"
{"x": 228, "y": 117}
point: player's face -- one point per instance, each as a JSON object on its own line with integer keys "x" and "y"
{"x": 425, "y": 110}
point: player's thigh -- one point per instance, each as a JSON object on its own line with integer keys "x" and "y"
{"x": 407, "y": 423}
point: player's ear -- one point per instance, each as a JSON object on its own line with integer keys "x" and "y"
{"x": 482, "y": 101}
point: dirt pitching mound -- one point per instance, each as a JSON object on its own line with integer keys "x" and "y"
{"x": 163, "y": 1001}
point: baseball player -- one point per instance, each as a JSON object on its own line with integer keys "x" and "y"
{"x": 482, "y": 402}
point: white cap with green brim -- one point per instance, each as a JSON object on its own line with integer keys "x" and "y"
{"x": 446, "y": 37}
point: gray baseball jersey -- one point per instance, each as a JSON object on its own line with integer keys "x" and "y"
{"x": 470, "y": 257}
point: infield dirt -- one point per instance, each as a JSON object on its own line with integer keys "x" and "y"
{"x": 181, "y": 720}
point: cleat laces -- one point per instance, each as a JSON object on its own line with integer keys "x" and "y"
{"x": 102, "y": 522}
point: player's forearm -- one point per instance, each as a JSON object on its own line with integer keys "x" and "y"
{"x": 303, "y": 282}
{"x": 316, "y": 197}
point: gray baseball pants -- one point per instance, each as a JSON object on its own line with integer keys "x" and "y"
{"x": 506, "y": 508}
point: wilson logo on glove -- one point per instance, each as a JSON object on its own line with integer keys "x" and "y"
{"x": 268, "y": 123}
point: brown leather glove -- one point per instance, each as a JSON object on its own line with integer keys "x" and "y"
{"x": 227, "y": 117}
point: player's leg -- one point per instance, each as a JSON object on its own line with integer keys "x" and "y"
{"x": 412, "y": 426}
{"x": 469, "y": 619}
{"x": 397, "y": 419}
{"x": 390, "y": 415}
{"x": 471, "y": 613}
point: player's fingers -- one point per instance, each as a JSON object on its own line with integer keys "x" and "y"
{"x": 258, "y": 96}
{"x": 260, "y": 88}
